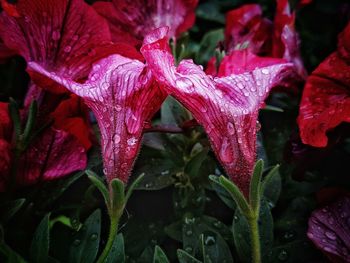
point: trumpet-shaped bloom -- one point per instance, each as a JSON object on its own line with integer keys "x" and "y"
{"x": 329, "y": 230}
{"x": 130, "y": 21}
{"x": 227, "y": 107}
{"x": 326, "y": 101}
{"x": 123, "y": 96}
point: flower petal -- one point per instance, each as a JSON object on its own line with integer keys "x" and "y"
{"x": 5, "y": 162}
{"x": 286, "y": 40}
{"x": 123, "y": 96}
{"x": 52, "y": 155}
{"x": 71, "y": 115}
{"x": 246, "y": 27}
{"x": 329, "y": 230}
{"x": 325, "y": 102}
{"x": 131, "y": 21}
{"x": 66, "y": 36}
{"x": 227, "y": 108}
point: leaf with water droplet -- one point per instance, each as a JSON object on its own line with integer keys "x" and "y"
{"x": 159, "y": 256}
{"x": 39, "y": 249}
{"x": 85, "y": 246}
{"x": 117, "y": 252}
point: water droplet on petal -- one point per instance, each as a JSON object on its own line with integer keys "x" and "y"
{"x": 265, "y": 71}
{"x": 230, "y": 128}
{"x": 56, "y": 35}
{"x": 116, "y": 138}
{"x": 330, "y": 235}
{"x": 67, "y": 49}
{"x": 226, "y": 154}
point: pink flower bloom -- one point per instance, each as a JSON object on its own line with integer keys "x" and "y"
{"x": 130, "y": 21}
{"x": 329, "y": 230}
{"x": 326, "y": 101}
{"x": 123, "y": 96}
{"x": 227, "y": 107}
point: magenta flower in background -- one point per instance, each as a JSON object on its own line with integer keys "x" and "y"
{"x": 123, "y": 95}
{"x": 227, "y": 107}
{"x": 329, "y": 230}
{"x": 53, "y": 154}
{"x": 247, "y": 29}
{"x": 130, "y": 21}
{"x": 63, "y": 36}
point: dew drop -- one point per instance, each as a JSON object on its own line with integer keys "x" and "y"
{"x": 118, "y": 107}
{"x": 330, "y": 235}
{"x": 76, "y": 242}
{"x": 226, "y": 154}
{"x": 67, "y": 49}
{"x": 230, "y": 128}
{"x": 265, "y": 71}
{"x": 93, "y": 237}
{"x": 189, "y": 232}
{"x": 209, "y": 240}
{"x": 283, "y": 255}
{"x": 116, "y": 138}
{"x": 56, "y": 35}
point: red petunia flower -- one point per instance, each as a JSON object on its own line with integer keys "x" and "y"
{"x": 123, "y": 96}
{"x": 227, "y": 107}
{"x": 326, "y": 101}
{"x": 53, "y": 154}
{"x": 329, "y": 230}
{"x": 246, "y": 28}
{"x": 130, "y": 21}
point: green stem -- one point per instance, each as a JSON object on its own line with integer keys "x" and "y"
{"x": 113, "y": 230}
{"x": 255, "y": 238}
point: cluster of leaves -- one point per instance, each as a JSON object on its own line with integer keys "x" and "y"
{"x": 177, "y": 214}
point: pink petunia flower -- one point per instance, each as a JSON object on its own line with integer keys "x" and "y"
{"x": 130, "y": 21}
{"x": 123, "y": 95}
{"x": 226, "y": 107}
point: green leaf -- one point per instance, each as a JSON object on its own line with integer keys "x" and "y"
{"x": 39, "y": 249}
{"x": 174, "y": 231}
{"x": 271, "y": 186}
{"x": 193, "y": 228}
{"x": 118, "y": 195}
{"x": 9, "y": 255}
{"x": 184, "y": 257}
{"x": 208, "y": 45}
{"x": 255, "y": 188}
{"x": 172, "y": 112}
{"x": 214, "y": 249}
{"x": 86, "y": 243}
{"x": 97, "y": 181}
{"x": 159, "y": 256}
{"x": 133, "y": 185}
{"x": 241, "y": 233}
{"x": 32, "y": 113}
{"x": 221, "y": 192}
{"x": 117, "y": 252}
{"x": 236, "y": 194}
{"x": 15, "y": 117}
{"x": 210, "y": 11}
{"x": 9, "y": 209}
{"x": 192, "y": 168}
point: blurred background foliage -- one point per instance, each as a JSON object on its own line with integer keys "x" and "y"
{"x": 176, "y": 211}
